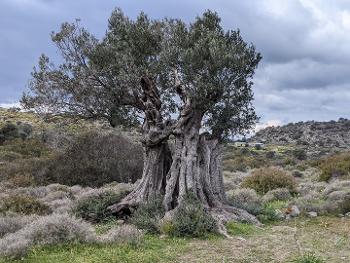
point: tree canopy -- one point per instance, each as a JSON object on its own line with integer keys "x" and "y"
{"x": 197, "y": 66}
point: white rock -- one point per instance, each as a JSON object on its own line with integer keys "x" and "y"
{"x": 294, "y": 211}
{"x": 312, "y": 214}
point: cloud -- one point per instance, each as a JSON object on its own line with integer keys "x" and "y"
{"x": 304, "y": 73}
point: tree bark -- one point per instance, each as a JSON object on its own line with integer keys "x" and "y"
{"x": 157, "y": 160}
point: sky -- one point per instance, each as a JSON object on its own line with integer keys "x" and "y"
{"x": 305, "y": 44}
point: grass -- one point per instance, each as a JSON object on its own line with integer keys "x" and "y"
{"x": 153, "y": 249}
{"x": 241, "y": 229}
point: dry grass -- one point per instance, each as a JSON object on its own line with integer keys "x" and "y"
{"x": 326, "y": 237}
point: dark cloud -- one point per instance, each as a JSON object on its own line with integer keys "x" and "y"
{"x": 305, "y": 46}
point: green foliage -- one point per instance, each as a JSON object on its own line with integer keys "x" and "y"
{"x": 23, "y": 205}
{"x": 94, "y": 208}
{"x": 246, "y": 199}
{"x": 334, "y": 166}
{"x": 241, "y": 229}
{"x": 11, "y": 131}
{"x": 266, "y": 179}
{"x": 308, "y": 258}
{"x": 191, "y": 220}
{"x": 300, "y": 154}
{"x": 271, "y": 211}
{"x": 148, "y": 216}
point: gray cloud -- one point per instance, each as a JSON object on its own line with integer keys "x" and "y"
{"x": 305, "y": 46}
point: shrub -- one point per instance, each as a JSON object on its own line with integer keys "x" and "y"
{"x": 246, "y": 199}
{"x": 299, "y": 154}
{"x": 191, "y": 220}
{"x": 11, "y": 224}
{"x": 94, "y": 159}
{"x": 23, "y": 205}
{"x": 22, "y": 180}
{"x": 28, "y": 148}
{"x": 334, "y": 166}
{"x": 272, "y": 211}
{"x": 93, "y": 207}
{"x": 344, "y": 206}
{"x": 124, "y": 234}
{"x": 279, "y": 194}
{"x": 47, "y": 230}
{"x": 266, "y": 179}
{"x": 309, "y": 258}
{"x": 148, "y": 216}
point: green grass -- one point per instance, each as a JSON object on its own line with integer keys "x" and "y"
{"x": 240, "y": 229}
{"x": 154, "y": 249}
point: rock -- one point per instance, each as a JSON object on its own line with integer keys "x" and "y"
{"x": 120, "y": 222}
{"x": 347, "y": 214}
{"x": 293, "y": 211}
{"x": 312, "y": 214}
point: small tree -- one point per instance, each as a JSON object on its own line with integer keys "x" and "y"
{"x": 188, "y": 81}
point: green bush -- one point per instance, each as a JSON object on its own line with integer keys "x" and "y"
{"x": 191, "y": 220}
{"x": 93, "y": 208}
{"x": 11, "y": 131}
{"x": 272, "y": 211}
{"x": 148, "y": 216}
{"x": 300, "y": 154}
{"x": 334, "y": 166}
{"x": 23, "y": 205}
{"x": 308, "y": 258}
{"x": 266, "y": 179}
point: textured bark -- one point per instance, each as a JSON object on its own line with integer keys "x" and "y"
{"x": 157, "y": 160}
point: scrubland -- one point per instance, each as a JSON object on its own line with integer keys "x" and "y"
{"x": 58, "y": 176}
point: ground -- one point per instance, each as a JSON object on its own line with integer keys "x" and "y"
{"x": 327, "y": 237}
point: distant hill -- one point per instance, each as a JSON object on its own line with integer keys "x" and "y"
{"x": 331, "y": 134}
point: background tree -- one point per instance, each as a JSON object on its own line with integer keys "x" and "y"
{"x": 191, "y": 82}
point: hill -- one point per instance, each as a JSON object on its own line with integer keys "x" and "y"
{"x": 331, "y": 134}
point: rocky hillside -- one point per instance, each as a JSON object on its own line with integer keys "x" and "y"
{"x": 331, "y": 134}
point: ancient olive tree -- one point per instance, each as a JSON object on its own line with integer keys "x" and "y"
{"x": 188, "y": 86}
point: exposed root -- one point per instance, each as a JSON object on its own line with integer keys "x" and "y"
{"x": 226, "y": 213}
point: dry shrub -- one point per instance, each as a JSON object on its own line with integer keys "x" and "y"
{"x": 124, "y": 234}
{"x": 246, "y": 199}
{"x": 22, "y": 180}
{"x": 335, "y": 166}
{"x": 11, "y": 224}
{"x": 266, "y": 179}
{"x": 279, "y": 194}
{"x": 94, "y": 159}
{"x": 47, "y": 230}
{"x": 23, "y": 205}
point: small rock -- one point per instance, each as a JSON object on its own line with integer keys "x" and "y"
{"x": 120, "y": 222}
{"x": 293, "y": 211}
{"x": 312, "y": 214}
{"x": 347, "y": 214}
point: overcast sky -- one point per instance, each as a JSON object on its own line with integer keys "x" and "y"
{"x": 305, "y": 45}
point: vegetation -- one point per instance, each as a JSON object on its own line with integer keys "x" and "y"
{"x": 191, "y": 220}
{"x": 23, "y": 205}
{"x": 334, "y": 166}
{"x": 266, "y": 179}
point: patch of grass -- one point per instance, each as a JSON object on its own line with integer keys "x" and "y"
{"x": 241, "y": 229}
{"x": 308, "y": 258}
{"x": 152, "y": 250}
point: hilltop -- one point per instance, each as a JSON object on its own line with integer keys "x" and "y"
{"x": 330, "y": 134}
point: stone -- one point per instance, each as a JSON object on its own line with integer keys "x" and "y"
{"x": 293, "y": 211}
{"x": 120, "y": 222}
{"x": 312, "y": 214}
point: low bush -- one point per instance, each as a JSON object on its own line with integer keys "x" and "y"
{"x": 93, "y": 207}
{"x": 47, "y": 230}
{"x": 22, "y": 180}
{"x": 124, "y": 234}
{"x": 191, "y": 220}
{"x": 279, "y": 194}
{"x": 272, "y": 211}
{"x": 344, "y": 205}
{"x": 266, "y": 179}
{"x": 11, "y": 224}
{"x": 148, "y": 216}
{"x": 246, "y": 199}
{"x": 334, "y": 166}
{"x": 23, "y": 205}
{"x": 27, "y": 149}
